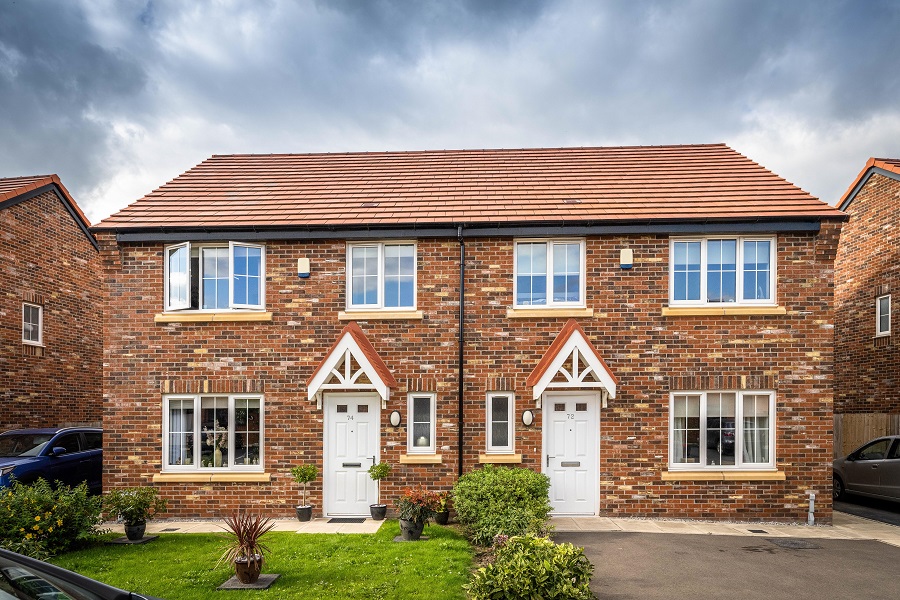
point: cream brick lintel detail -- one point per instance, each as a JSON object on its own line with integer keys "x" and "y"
{"x": 704, "y": 311}
{"x": 548, "y": 313}
{"x": 380, "y": 315}
{"x": 420, "y": 459}
{"x": 496, "y": 459}
{"x": 723, "y": 476}
{"x": 206, "y": 317}
{"x": 212, "y": 477}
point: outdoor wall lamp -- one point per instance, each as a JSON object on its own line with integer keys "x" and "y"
{"x": 395, "y": 418}
{"x": 527, "y": 418}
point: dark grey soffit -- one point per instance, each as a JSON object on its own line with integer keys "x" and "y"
{"x": 468, "y": 231}
{"x": 52, "y": 187}
{"x": 863, "y": 181}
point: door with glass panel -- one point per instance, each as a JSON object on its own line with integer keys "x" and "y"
{"x": 351, "y": 447}
{"x": 571, "y": 460}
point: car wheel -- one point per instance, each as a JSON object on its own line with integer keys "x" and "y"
{"x": 837, "y": 487}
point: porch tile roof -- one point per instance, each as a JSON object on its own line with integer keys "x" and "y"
{"x": 599, "y": 184}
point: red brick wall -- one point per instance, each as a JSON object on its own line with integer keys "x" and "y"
{"x": 46, "y": 258}
{"x": 868, "y": 263}
{"x": 648, "y": 352}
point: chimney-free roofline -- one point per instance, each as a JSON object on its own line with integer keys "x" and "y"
{"x": 52, "y": 187}
{"x": 474, "y": 230}
{"x": 850, "y": 197}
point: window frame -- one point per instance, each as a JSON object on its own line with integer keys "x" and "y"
{"x": 380, "y": 275}
{"x": 879, "y": 313}
{"x": 739, "y": 465}
{"x": 232, "y": 306}
{"x": 411, "y": 448}
{"x": 740, "y": 300}
{"x": 550, "y": 243}
{"x": 40, "y": 324}
{"x": 196, "y": 466}
{"x": 511, "y": 429}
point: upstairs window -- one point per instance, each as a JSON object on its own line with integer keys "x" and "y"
{"x": 215, "y": 276}
{"x": 32, "y": 324}
{"x": 716, "y": 271}
{"x": 883, "y": 315}
{"x": 549, "y": 273}
{"x": 381, "y": 276}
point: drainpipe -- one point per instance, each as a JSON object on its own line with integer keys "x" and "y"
{"x": 461, "y": 341}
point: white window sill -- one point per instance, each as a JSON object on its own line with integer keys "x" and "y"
{"x": 499, "y": 459}
{"x": 700, "y": 311}
{"x": 208, "y": 317}
{"x": 421, "y": 459}
{"x": 380, "y": 315}
{"x": 723, "y": 475}
{"x": 207, "y": 477}
{"x": 548, "y": 313}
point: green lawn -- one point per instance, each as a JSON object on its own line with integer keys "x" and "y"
{"x": 180, "y": 566}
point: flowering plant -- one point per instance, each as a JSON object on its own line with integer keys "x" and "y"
{"x": 217, "y": 436}
{"x": 418, "y": 505}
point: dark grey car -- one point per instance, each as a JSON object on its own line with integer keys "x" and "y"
{"x": 872, "y": 470}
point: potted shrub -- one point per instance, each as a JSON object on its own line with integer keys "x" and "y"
{"x": 134, "y": 506}
{"x": 442, "y": 516}
{"x": 303, "y": 474}
{"x": 377, "y": 472}
{"x": 244, "y": 550}
{"x": 416, "y": 507}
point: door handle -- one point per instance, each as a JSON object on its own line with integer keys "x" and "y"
{"x": 372, "y": 458}
{"x": 548, "y": 459}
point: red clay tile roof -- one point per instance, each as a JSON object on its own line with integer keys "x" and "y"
{"x": 891, "y": 165}
{"x": 13, "y": 187}
{"x": 472, "y": 186}
{"x": 368, "y": 350}
{"x": 565, "y": 333}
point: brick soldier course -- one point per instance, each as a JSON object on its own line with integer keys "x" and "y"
{"x": 50, "y": 261}
{"x": 312, "y": 206}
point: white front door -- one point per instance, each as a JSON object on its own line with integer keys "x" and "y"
{"x": 352, "y": 423}
{"x": 571, "y": 449}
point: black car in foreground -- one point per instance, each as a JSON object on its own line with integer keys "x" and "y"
{"x": 67, "y": 454}
{"x": 24, "y": 578}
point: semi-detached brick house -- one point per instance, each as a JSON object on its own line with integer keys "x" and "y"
{"x": 868, "y": 276}
{"x": 50, "y": 302}
{"x": 650, "y": 326}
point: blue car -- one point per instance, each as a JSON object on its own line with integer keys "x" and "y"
{"x": 68, "y": 454}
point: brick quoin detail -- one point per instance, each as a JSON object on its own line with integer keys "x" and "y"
{"x": 651, "y": 354}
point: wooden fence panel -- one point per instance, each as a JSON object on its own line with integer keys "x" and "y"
{"x": 853, "y": 430}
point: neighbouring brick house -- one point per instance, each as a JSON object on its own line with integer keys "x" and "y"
{"x": 867, "y": 269}
{"x": 50, "y": 302}
{"x": 651, "y": 326}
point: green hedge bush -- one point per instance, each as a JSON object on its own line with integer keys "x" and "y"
{"x": 499, "y": 500}
{"x": 534, "y": 567}
{"x": 41, "y": 521}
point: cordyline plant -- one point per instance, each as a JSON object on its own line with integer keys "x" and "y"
{"x": 245, "y": 531}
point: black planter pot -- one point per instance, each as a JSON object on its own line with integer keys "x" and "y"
{"x": 135, "y": 531}
{"x": 304, "y": 513}
{"x": 411, "y": 531}
{"x": 442, "y": 518}
{"x": 379, "y": 511}
{"x": 248, "y": 571}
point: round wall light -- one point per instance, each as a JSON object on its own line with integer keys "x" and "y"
{"x": 527, "y": 418}
{"x": 395, "y": 418}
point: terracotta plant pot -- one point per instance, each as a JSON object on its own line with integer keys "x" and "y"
{"x": 135, "y": 531}
{"x": 247, "y": 571}
{"x": 304, "y": 513}
{"x": 411, "y": 531}
{"x": 442, "y": 518}
{"x": 379, "y": 511}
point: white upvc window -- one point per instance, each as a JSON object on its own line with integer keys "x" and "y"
{"x": 381, "y": 275}
{"x": 713, "y": 271}
{"x": 722, "y": 430}
{"x": 213, "y": 277}
{"x": 883, "y": 315}
{"x": 213, "y": 432}
{"x": 421, "y": 419}
{"x": 32, "y": 324}
{"x": 549, "y": 273}
{"x": 500, "y": 428}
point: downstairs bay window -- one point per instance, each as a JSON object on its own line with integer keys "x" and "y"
{"x": 213, "y": 432}
{"x": 722, "y": 430}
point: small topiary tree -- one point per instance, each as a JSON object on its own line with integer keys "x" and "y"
{"x": 534, "y": 567}
{"x": 499, "y": 500}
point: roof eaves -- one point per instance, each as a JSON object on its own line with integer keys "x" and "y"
{"x": 51, "y": 183}
{"x": 881, "y": 166}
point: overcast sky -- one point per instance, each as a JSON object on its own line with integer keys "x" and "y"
{"x": 118, "y": 97}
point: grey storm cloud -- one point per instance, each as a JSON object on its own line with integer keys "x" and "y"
{"x": 120, "y": 96}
